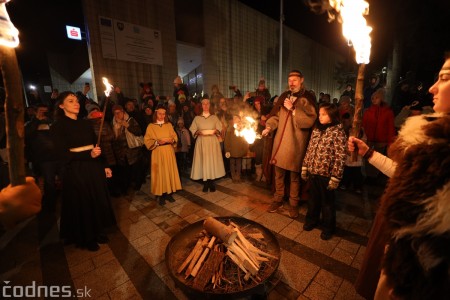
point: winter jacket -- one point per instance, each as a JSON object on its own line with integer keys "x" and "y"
{"x": 293, "y": 131}
{"x": 326, "y": 152}
{"x": 105, "y": 141}
{"x": 124, "y": 154}
{"x": 235, "y": 145}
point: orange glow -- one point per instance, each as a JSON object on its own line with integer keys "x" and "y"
{"x": 247, "y": 129}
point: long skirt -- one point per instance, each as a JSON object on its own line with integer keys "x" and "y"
{"x": 86, "y": 208}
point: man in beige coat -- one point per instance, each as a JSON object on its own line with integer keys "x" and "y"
{"x": 295, "y": 116}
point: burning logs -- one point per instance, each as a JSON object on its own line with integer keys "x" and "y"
{"x": 223, "y": 258}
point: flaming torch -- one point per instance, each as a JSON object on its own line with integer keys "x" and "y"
{"x": 14, "y": 109}
{"x": 22, "y": 198}
{"x": 109, "y": 88}
{"x": 354, "y": 28}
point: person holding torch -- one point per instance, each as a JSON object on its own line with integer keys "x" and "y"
{"x": 86, "y": 210}
{"x": 412, "y": 228}
{"x": 22, "y": 198}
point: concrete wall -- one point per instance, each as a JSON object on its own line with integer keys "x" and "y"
{"x": 241, "y": 45}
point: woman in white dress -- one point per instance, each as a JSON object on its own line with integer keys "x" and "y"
{"x": 207, "y": 163}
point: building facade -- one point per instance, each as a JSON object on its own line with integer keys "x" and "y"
{"x": 235, "y": 45}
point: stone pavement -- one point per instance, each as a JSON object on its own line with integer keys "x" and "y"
{"x": 132, "y": 265}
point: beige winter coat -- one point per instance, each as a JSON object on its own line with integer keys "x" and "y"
{"x": 294, "y": 140}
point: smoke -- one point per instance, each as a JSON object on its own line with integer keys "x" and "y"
{"x": 323, "y": 6}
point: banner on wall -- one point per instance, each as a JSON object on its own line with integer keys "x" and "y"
{"x": 130, "y": 42}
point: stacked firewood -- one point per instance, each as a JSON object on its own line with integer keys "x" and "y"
{"x": 218, "y": 244}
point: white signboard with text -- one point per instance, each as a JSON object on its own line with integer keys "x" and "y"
{"x": 130, "y": 42}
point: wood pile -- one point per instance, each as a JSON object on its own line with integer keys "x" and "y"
{"x": 221, "y": 248}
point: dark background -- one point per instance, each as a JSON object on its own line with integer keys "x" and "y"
{"x": 42, "y": 28}
{"x": 422, "y": 28}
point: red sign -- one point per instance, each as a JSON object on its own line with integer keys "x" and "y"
{"x": 73, "y": 32}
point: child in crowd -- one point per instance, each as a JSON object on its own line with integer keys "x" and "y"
{"x": 235, "y": 149}
{"x": 183, "y": 146}
{"x": 323, "y": 166}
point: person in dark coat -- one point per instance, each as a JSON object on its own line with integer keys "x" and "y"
{"x": 410, "y": 237}
{"x": 350, "y": 92}
{"x": 235, "y": 149}
{"x": 129, "y": 167}
{"x": 41, "y": 152}
{"x": 179, "y": 88}
{"x": 95, "y": 117}
{"x": 262, "y": 91}
{"x": 373, "y": 86}
{"x": 86, "y": 210}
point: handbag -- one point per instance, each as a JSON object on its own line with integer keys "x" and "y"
{"x": 134, "y": 141}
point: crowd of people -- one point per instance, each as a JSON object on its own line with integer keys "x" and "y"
{"x": 98, "y": 150}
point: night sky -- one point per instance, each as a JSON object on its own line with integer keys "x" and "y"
{"x": 42, "y": 28}
{"x": 422, "y": 29}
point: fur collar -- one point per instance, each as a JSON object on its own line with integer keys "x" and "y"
{"x": 412, "y": 133}
{"x": 421, "y": 180}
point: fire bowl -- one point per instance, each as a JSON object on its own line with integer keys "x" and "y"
{"x": 184, "y": 241}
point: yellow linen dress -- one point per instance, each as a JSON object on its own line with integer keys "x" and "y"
{"x": 164, "y": 172}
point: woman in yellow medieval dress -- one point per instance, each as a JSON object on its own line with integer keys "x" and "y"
{"x": 161, "y": 139}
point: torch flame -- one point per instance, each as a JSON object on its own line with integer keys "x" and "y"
{"x": 109, "y": 87}
{"x": 354, "y": 26}
{"x": 9, "y": 35}
{"x": 246, "y": 129}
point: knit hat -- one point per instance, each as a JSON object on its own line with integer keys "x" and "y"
{"x": 177, "y": 80}
{"x": 295, "y": 73}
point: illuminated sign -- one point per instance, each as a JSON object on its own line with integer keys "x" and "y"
{"x": 73, "y": 33}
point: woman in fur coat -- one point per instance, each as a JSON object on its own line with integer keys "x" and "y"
{"x": 413, "y": 226}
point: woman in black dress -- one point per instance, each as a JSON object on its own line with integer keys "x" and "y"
{"x": 86, "y": 208}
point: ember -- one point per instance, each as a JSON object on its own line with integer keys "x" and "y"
{"x": 223, "y": 259}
